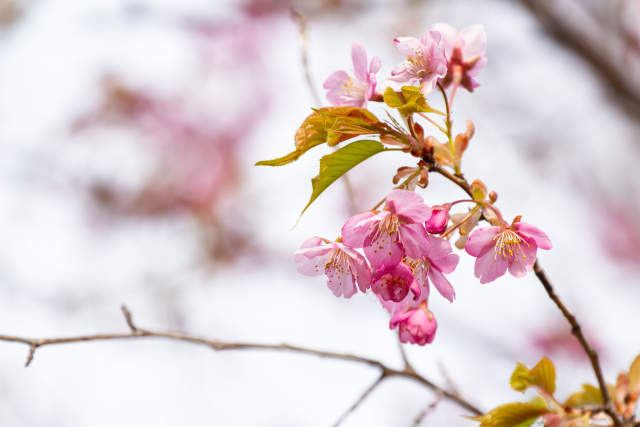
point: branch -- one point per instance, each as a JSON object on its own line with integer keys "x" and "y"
{"x": 136, "y": 332}
{"x": 576, "y": 330}
{"x": 360, "y": 400}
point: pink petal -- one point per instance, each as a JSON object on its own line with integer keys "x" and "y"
{"x": 349, "y": 236}
{"x": 475, "y": 42}
{"x": 311, "y": 248}
{"x": 312, "y": 266}
{"x": 528, "y": 230}
{"x": 384, "y": 251}
{"x": 414, "y": 239}
{"x": 408, "y": 206}
{"x": 359, "y": 57}
{"x": 423, "y": 281}
{"x": 489, "y": 267}
{"x": 441, "y": 254}
{"x": 522, "y": 263}
{"x": 410, "y": 47}
{"x": 442, "y": 284}
{"x": 340, "y": 281}
{"x": 361, "y": 271}
{"x": 449, "y": 37}
{"x": 375, "y": 65}
{"x": 336, "y": 80}
{"x": 481, "y": 239}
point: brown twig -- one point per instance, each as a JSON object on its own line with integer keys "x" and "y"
{"x": 360, "y": 400}
{"x": 136, "y": 332}
{"x": 302, "y": 23}
{"x": 576, "y": 330}
{"x": 418, "y": 419}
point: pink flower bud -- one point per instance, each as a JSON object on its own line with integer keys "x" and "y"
{"x": 439, "y": 219}
{"x": 416, "y": 325}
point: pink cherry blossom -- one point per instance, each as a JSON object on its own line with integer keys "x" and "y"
{"x": 437, "y": 224}
{"x": 514, "y": 247}
{"x": 439, "y": 261}
{"x": 343, "y": 266}
{"x": 465, "y": 53}
{"x": 388, "y": 235}
{"x": 415, "y": 325}
{"x": 394, "y": 283}
{"x": 358, "y": 90}
{"x": 425, "y": 64}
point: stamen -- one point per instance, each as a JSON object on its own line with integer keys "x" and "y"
{"x": 508, "y": 244}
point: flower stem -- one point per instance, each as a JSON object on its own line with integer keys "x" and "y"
{"x": 430, "y": 120}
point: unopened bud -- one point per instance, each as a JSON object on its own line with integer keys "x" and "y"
{"x": 493, "y": 196}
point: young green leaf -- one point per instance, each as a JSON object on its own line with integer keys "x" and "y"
{"x": 588, "y": 396}
{"x": 334, "y": 165}
{"x": 409, "y": 100}
{"x": 542, "y": 376}
{"x": 634, "y": 376}
{"x": 514, "y": 414}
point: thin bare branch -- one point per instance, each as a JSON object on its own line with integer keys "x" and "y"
{"x": 302, "y": 23}
{"x": 360, "y": 400}
{"x": 576, "y": 330}
{"x": 136, "y": 332}
{"x": 426, "y": 411}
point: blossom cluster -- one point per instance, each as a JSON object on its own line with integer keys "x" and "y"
{"x": 398, "y": 252}
{"x": 401, "y": 259}
{"x": 442, "y": 55}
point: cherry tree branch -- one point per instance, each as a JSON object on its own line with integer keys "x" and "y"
{"x": 360, "y": 399}
{"x": 136, "y": 332}
{"x": 576, "y": 329}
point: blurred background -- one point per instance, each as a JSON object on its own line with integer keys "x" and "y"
{"x": 128, "y": 134}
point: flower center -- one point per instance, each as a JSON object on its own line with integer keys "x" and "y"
{"x": 354, "y": 90}
{"x": 508, "y": 244}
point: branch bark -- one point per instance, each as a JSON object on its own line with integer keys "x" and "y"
{"x": 136, "y": 333}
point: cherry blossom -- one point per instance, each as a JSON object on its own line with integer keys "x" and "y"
{"x": 343, "y": 266}
{"x": 425, "y": 64}
{"x": 358, "y": 90}
{"x": 416, "y": 325}
{"x": 394, "y": 283}
{"x": 465, "y": 53}
{"x": 514, "y": 248}
{"x": 387, "y": 235}
{"x": 439, "y": 261}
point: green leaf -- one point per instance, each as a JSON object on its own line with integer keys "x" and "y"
{"x": 514, "y": 414}
{"x": 409, "y": 100}
{"x": 542, "y": 376}
{"x": 588, "y": 396}
{"x": 520, "y": 378}
{"x": 545, "y": 375}
{"x": 281, "y": 161}
{"x": 332, "y": 125}
{"x": 334, "y": 165}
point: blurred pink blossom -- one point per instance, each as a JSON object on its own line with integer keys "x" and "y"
{"x": 465, "y": 53}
